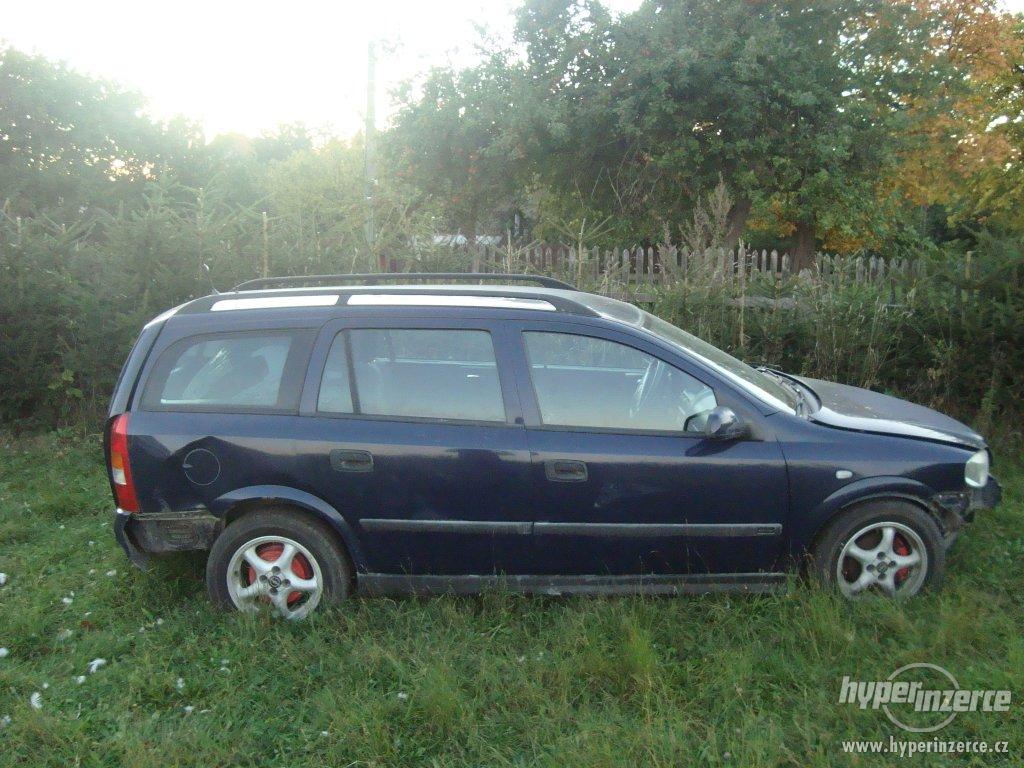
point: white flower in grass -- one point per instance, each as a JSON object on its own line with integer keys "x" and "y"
{"x": 96, "y": 664}
{"x": 3, "y": 579}
{"x": 325, "y": 733}
{"x": 67, "y": 600}
{"x": 189, "y": 709}
{"x": 403, "y": 696}
{"x": 3, "y": 653}
{"x": 80, "y": 679}
{"x": 5, "y": 721}
{"x": 36, "y": 700}
{"x": 180, "y": 684}
{"x": 65, "y": 634}
{"x": 112, "y": 572}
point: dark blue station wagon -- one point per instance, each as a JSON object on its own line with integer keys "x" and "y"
{"x": 324, "y": 436}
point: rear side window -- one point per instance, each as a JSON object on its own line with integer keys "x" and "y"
{"x": 236, "y": 371}
{"x": 413, "y": 373}
{"x": 336, "y": 383}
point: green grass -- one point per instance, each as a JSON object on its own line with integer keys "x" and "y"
{"x": 487, "y": 681}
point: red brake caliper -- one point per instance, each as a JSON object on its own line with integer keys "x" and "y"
{"x": 900, "y": 547}
{"x": 300, "y": 566}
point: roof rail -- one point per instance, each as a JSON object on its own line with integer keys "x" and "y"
{"x": 377, "y": 278}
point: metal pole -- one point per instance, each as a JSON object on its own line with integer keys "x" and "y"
{"x": 265, "y": 272}
{"x": 369, "y": 157}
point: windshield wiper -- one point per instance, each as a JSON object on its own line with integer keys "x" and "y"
{"x": 802, "y": 403}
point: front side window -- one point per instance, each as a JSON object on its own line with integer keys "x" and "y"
{"x": 237, "y": 370}
{"x": 762, "y": 386}
{"x": 587, "y": 382}
{"x": 414, "y": 373}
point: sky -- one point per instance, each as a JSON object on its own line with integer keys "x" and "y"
{"x": 248, "y": 67}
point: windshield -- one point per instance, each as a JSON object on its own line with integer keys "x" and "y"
{"x": 766, "y": 388}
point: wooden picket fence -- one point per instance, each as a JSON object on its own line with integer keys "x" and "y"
{"x": 638, "y": 272}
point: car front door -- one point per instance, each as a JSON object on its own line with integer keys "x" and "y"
{"x": 419, "y": 445}
{"x": 620, "y": 488}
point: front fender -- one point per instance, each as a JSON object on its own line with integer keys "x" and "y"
{"x": 313, "y": 504}
{"x": 866, "y": 489}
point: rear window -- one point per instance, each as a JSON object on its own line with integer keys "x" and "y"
{"x": 448, "y": 375}
{"x": 234, "y": 371}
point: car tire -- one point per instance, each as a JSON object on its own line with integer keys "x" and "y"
{"x": 889, "y": 547}
{"x": 243, "y": 571}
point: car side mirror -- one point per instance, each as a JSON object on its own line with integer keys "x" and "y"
{"x": 722, "y": 423}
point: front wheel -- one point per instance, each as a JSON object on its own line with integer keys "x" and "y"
{"x": 277, "y": 559}
{"x": 890, "y": 548}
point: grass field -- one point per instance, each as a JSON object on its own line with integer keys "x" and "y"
{"x": 488, "y": 681}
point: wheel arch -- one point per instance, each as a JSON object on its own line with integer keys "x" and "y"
{"x": 234, "y": 504}
{"x": 857, "y": 494}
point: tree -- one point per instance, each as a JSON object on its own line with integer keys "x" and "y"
{"x": 967, "y": 158}
{"x": 577, "y": 166}
{"x": 797, "y": 106}
{"x": 451, "y": 141}
{"x": 70, "y": 141}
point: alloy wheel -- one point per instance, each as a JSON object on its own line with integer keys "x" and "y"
{"x": 885, "y": 557}
{"x": 278, "y": 572}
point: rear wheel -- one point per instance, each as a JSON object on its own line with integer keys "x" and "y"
{"x": 280, "y": 560}
{"x": 890, "y": 548}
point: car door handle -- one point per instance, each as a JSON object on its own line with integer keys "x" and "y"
{"x": 562, "y": 471}
{"x": 346, "y": 460}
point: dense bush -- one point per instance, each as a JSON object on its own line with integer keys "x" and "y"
{"x": 952, "y": 341}
{"x": 73, "y": 298}
{"x": 71, "y": 308}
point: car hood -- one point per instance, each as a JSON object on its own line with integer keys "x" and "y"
{"x": 866, "y": 411}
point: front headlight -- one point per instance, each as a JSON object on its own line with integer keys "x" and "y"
{"x": 976, "y": 470}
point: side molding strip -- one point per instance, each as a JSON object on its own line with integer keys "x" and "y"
{"x": 603, "y": 530}
{"x": 643, "y": 530}
{"x": 376, "y": 524}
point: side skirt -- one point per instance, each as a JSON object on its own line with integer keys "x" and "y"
{"x": 381, "y": 584}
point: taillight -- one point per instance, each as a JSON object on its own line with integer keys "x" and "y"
{"x": 120, "y": 467}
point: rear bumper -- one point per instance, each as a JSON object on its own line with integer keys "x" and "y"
{"x": 143, "y": 534}
{"x": 121, "y": 521}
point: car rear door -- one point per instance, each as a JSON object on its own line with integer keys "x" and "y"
{"x": 417, "y": 442}
{"x": 624, "y": 490}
